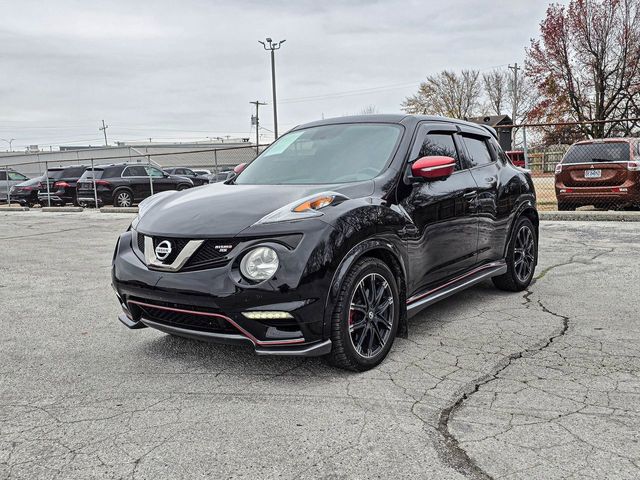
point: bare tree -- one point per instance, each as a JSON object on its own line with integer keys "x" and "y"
{"x": 495, "y": 86}
{"x": 447, "y": 94}
{"x": 586, "y": 63}
{"x": 369, "y": 110}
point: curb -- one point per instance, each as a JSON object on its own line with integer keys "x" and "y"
{"x": 14, "y": 209}
{"x": 62, "y": 209}
{"x": 119, "y": 210}
{"x": 608, "y": 216}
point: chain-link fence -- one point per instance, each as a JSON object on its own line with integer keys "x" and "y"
{"x": 579, "y": 165}
{"x": 49, "y": 179}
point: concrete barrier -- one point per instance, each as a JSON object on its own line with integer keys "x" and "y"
{"x": 62, "y": 209}
{"x": 593, "y": 216}
{"x": 119, "y": 210}
{"x": 14, "y": 209}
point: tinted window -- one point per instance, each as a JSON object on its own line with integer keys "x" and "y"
{"x": 153, "y": 172}
{"x": 73, "y": 172}
{"x": 135, "y": 171}
{"x": 439, "y": 144}
{"x": 598, "y": 152}
{"x": 478, "y": 150}
{"x": 55, "y": 174}
{"x": 89, "y": 174}
{"x": 17, "y": 176}
{"x": 325, "y": 154}
{"x": 187, "y": 171}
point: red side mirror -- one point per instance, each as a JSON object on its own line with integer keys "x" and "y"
{"x": 238, "y": 168}
{"x": 433, "y": 168}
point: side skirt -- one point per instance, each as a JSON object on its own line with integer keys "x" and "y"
{"x": 422, "y": 300}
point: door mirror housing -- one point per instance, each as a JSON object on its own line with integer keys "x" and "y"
{"x": 433, "y": 167}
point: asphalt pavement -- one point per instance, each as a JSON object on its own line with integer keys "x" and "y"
{"x": 542, "y": 384}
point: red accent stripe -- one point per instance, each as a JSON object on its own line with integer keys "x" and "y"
{"x": 253, "y": 339}
{"x": 415, "y": 298}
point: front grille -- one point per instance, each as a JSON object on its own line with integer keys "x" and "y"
{"x": 192, "y": 321}
{"x": 140, "y": 242}
{"x": 212, "y": 253}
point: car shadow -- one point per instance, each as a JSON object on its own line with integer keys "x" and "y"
{"x": 214, "y": 358}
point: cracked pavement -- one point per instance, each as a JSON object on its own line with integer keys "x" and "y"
{"x": 541, "y": 384}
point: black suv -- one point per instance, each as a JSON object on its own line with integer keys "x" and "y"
{"x": 332, "y": 238}
{"x": 62, "y": 185}
{"x": 190, "y": 174}
{"x": 125, "y": 184}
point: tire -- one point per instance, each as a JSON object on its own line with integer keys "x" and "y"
{"x": 564, "y": 207}
{"x": 363, "y": 348}
{"x": 122, "y": 198}
{"x": 182, "y": 187}
{"x": 522, "y": 257}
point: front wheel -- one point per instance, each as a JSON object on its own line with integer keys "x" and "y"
{"x": 522, "y": 258}
{"x": 365, "y": 319}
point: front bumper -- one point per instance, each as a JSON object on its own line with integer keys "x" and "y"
{"x": 208, "y": 304}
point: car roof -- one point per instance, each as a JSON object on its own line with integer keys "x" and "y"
{"x": 398, "y": 118}
{"x": 608, "y": 140}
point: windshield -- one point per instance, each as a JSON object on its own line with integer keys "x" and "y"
{"x": 598, "y": 152}
{"x": 326, "y": 154}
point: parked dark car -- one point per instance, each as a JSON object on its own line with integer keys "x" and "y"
{"x": 62, "y": 185}
{"x": 222, "y": 176}
{"x": 26, "y": 193}
{"x": 190, "y": 174}
{"x": 124, "y": 184}
{"x": 332, "y": 238}
{"x": 9, "y": 178}
{"x": 604, "y": 173}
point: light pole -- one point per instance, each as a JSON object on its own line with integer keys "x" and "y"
{"x": 272, "y": 46}
{"x": 256, "y": 120}
{"x": 9, "y": 142}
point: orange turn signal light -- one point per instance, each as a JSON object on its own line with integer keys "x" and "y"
{"x": 314, "y": 204}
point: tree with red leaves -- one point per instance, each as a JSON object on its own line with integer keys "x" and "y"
{"x": 586, "y": 64}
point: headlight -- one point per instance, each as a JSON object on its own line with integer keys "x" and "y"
{"x": 304, "y": 208}
{"x": 259, "y": 264}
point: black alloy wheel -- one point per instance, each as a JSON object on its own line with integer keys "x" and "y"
{"x": 522, "y": 258}
{"x": 366, "y": 315}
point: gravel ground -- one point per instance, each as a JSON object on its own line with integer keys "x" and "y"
{"x": 544, "y": 384}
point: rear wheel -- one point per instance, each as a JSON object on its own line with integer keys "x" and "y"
{"x": 365, "y": 319}
{"x": 182, "y": 187}
{"x": 522, "y": 257}
{"x": 123, "y": 198}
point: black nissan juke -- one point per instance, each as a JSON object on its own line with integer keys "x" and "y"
{"x": 332, "y": 238}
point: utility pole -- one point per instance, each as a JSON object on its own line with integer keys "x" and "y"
{"x": 256, "y": 121}
{"x": 10, "y": 141}
{"x": 104, "y": 130}
{"x": 272, "y": 47}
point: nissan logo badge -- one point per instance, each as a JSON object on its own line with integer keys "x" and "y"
{"x": 163, "y": 250}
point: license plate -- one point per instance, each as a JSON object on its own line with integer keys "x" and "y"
{"x": 592, "y": 173}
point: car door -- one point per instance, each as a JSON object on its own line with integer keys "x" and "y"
{"x": 492, "y": 202}
{"x": 138, "y": 181}
{"x": 161, "y": 180}
{"x": 442, "y": 241}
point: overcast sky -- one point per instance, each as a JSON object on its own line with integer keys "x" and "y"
{"x": 188, "y": 69}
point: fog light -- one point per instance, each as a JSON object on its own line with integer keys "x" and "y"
{"x": 267, "y": 315}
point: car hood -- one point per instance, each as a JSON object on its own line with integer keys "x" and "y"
{"x": 221, "y": 209}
